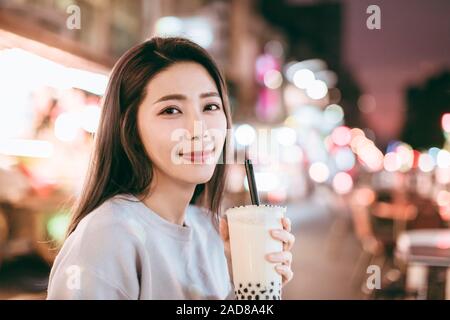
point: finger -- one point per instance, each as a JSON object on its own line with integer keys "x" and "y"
{"x": 285, "y": 237}
{"x": 287, "y": 224}
{"x": 285, "y": 272}
{"x": 284, "y": 257}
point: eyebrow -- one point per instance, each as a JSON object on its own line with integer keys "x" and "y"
{"x": 183, "y": 97}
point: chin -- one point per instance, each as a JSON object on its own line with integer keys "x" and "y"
{"x": 197, "y": 175}
{"x": 200, "y": 179}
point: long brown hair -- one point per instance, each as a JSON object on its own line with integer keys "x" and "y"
{"x": 119, "y": 163}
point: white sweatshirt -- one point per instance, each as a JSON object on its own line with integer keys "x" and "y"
{"x": 124, "y": 250}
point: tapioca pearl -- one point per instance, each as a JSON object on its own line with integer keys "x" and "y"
{"x": 257, "y": 297}
{"x": 242, "y": 297}
{"x": 239, "y": 291}
{"x": 249, "y": 284}
{"x": 267, "y": 297}
{"x": 258, "y": 285}
{"x": 240, "y": 285}
{"x": 274, "y": 297}
{"x": 253, "y": 292}
{"x": 249, "y": 297}
{"x": 271, "y": 290}
{"x": 245, "y": 290}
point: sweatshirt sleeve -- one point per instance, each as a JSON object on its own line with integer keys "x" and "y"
{"x": 100, "y": 260}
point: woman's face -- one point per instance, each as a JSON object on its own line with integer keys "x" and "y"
{"x": 182, "y": 123}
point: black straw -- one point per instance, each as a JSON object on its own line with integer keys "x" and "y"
{"x": 251, "y": 181}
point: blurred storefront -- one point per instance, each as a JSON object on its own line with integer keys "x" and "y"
{"x": 49, "y": 108}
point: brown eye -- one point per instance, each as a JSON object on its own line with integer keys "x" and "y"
{"x": 170, "y": 111}
{"x": 212, "y": 107}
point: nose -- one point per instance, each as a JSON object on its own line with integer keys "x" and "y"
{"x": 196, "y": 127}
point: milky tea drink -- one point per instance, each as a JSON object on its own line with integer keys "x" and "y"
{"x": 249, "y": 226}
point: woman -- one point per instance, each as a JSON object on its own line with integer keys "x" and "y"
{"x": 135, "y": 231}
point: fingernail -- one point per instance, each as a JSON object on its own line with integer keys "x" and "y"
{"x": 276, "y": 232}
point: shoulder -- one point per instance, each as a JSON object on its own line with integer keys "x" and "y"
{"x": 108, "y": 229}
{"x": 115, "y": 214}
{"x": 105, "y": 248}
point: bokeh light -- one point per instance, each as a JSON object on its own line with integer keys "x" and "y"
{"x": 245, "y": 134}
{"x": 341, "y": 136}
{"x": 443, "y": 198}
{"x": 426, "y": 162}
{"x": 286, "y": 136}
{"x": 371, "y": 156}
{"x": 66, "y": 127}
{"x": 446, "y": 122}
{"x": 443, "y": 159}
{"x": 342, "y": 183}
{"x": 303, "y": 78}
{"x": 345, "y": 159}
{"x": 273, "y": 79}
{"x": 317, "y": 89}
{"x": 319, "y": 172}
{"x": 333, "y": 114}
{"x": 391, "y": 162}
{"x": 364, "y": 196}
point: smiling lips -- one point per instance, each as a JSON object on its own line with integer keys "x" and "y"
{"x": 198, "y": 156}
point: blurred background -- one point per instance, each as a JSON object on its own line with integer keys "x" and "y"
{"x": 355, "y": 96}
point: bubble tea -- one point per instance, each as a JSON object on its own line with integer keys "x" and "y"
{"x": 249, "y": 226}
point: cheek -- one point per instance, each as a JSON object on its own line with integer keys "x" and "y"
{"x": 218, "y": 125}
{"x": 157, "y": 141}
